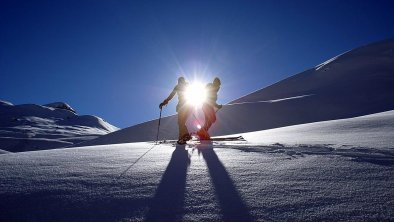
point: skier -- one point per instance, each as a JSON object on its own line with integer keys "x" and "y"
{"x": 209, "y": 108}
{"x": 183, "y": 109}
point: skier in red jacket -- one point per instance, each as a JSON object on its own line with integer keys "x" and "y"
{"x": 209, "y": 108}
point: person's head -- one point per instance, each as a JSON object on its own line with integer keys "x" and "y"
{"x": 216, "y": 82}
{"x": 181, "y": 80}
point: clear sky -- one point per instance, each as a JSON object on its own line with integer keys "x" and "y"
{"x": 120, "y": 59}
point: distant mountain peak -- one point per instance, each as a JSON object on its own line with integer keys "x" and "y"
{"x": 61, "y": 105}
{"x": 28, "y": 127}
{"x": 5, "y": 103}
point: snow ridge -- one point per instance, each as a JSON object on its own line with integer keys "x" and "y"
{"x": 32, "y": 127}
{"x": 61, "y": 105}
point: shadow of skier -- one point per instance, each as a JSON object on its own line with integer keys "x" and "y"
{"x": 167, "y": 204}
{"x": 231, "y": 203}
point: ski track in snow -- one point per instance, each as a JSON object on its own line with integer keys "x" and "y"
{"x": 230, "y": 181}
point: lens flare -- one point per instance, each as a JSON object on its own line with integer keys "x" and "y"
{"x": 195, "y": 94}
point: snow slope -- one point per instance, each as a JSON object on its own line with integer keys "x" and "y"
{"x": 338, "y": 170}
{"x": 355, "y": 83}
{"x": 226, "y": 181}
{"x": 372, "y": 131}
{"x": 31, "y": 127}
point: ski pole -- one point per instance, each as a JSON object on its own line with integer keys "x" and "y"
{"x": 158, "y": 127}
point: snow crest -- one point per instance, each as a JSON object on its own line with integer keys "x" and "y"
{"x": 61, "y": 105}
{"x": 5, "y": 103}
{"x": 32, "y": 127}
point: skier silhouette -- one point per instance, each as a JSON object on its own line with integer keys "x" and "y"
{"x": 183, "y": 109}
{"x": 209, "y": 108}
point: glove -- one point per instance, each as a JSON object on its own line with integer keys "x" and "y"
{"x": 163, "y": 104}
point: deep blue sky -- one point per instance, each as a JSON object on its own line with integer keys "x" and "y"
{"x": 120, "y": 59}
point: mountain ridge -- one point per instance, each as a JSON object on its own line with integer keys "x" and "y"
{"x": 28, "y": 127}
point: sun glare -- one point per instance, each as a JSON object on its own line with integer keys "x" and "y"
{"x": 195, "y": 94}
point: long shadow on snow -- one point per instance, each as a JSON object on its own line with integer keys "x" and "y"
{"x": 231, "y": 203}
{"x": 167, "y": 204}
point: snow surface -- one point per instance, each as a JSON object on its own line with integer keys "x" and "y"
{"x": 226, "y": 181}
{"x": 339, "y": 170}
{"x": 372, "y": 131}
{"x": 355, "y": 83}
{"x": 32, "y": 127}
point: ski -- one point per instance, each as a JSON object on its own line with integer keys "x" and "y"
{"x": 195, "y": 140}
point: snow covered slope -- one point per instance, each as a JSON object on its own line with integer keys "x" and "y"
{"x": 355, "y": 83}
{"x": 223, "y": 181}
{"x": 32, "y": 127}
{"x": 372, "y": 131}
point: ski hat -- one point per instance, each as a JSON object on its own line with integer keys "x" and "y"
{"x": 216, "y": 81}
{"x": 181, "y": 80}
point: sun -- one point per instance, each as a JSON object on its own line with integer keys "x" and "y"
{"x": 195, "y": 94}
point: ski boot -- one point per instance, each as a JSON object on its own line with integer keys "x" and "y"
{"x": 181, "y": 142}
{"x": 203, "y": 134}
{"x": 184, "y": 138}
